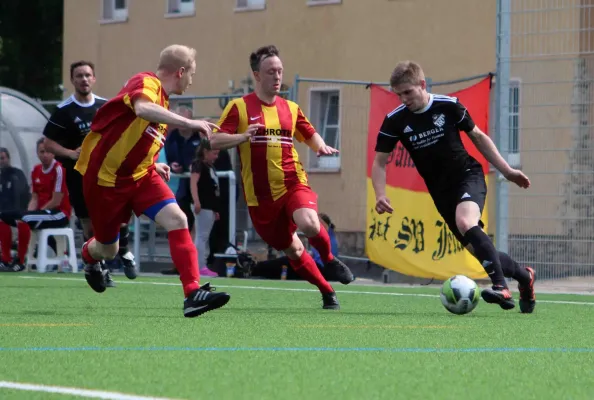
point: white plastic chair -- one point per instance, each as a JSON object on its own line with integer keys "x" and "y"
{"x": 64, "y": 242}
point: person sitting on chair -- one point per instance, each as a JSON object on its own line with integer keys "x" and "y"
{"x": 49, "y": 206}
{"x": 14, "y": 195}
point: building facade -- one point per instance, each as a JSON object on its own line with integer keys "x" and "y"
{"x": 325, "y": 39}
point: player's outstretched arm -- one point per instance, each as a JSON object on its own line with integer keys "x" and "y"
{"x": 223, "y": 141}
{"x": 317, "y": 144}
{"x": 378, "y": 179}
{"x": 488, "y": 149}
{"x": 149, "y": 111}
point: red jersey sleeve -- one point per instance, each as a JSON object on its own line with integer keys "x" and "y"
{"x": 142, "y": 85}
{"x": 60, "y": 184}
{"x": 230, "y": 119}
{"x": 305, "y": 129}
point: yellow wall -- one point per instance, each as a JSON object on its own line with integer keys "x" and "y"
{"x": 355, "y": 40}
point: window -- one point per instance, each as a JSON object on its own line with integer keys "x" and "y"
{"x": 514, "y": 123}
{"x": 248, "y": 5}
{"x": 322, "y": 2}
{"x": 324, "y": 107}
{"x": 180, "y": 7}
{"x": 115, "y": 10}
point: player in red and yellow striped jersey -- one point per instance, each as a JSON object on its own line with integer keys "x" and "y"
{"x": 120, "y": 176}
{"x": 274, "y": 182}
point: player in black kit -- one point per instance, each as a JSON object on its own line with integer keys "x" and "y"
{"x": 429, "y": 125}
{"x": 64, "y": 133}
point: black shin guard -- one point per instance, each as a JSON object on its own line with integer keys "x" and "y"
{"x": 486, "y": 253}
{"x": 512, "y": 269}
{"x": 123, "y": 242}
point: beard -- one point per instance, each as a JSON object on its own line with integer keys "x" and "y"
{"x": 83, "y": 91}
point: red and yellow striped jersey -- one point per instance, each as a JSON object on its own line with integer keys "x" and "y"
{"x": 269, "y": 162}
{"x": 121, "y": 147}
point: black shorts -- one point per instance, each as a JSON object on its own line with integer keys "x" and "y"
{"x": 471, "y": 187}
{"x": 40, "y": 219}
{"x": 75, "y": 193}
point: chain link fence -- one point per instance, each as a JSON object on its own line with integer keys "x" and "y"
{"x": 544, "y": 102}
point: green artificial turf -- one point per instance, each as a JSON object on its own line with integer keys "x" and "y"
{"x": 274, "y": 341}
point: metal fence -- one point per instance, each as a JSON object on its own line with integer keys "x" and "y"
{"x": 544, "y": 102}
{"x": 541, "y": 116}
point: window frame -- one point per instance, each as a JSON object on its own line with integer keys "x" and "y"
{"x": 515, "y": 129}
{"x": 313, "y": 3}
{"x": 248, "y": 7}
{"x": 110, "y": 14}
{"x": 179, "y": 5}
{"x": 330, "y": 163}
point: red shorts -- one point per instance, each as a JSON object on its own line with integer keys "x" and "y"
{"x": 274, "y": 221}
{"x": 110, "y": 207}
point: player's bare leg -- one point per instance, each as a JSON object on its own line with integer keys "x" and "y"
{"x": 468, "y": 215}
{"x": 198, "y": 299}
{"x": 308, "y": 222}
{"x": 306, "y": 267}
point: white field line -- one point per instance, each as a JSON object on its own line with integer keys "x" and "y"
{"x": 580, "y": 303}
{"x": 95, "y": 394}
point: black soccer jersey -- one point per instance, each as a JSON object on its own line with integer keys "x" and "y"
{"x": 432, "y": 138}
{"x": 70, "y": 123}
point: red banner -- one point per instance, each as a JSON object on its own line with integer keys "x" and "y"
{"x": 400, "y": 170}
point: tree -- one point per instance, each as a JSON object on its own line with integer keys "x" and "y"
{"x": 31, "y": 47}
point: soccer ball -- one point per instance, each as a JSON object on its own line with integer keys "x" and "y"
{"x": 459, "y": 294}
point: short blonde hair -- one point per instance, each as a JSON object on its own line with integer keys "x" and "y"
{"x": 176, "y": 56}
{"x": 407, "y": 72}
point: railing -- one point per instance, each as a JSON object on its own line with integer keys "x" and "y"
{"x": 152, "y": 230}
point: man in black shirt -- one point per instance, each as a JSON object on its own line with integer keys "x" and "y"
{"x": 14, "y": 197}
{"x": 64, "y": 132}
{"x": 428, "y": 126}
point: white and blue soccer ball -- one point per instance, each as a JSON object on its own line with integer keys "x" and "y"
{"x": 460, "y": 294}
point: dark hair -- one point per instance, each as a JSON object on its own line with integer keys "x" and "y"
{"x": 39, "y": 141}
{"x": 5, "y": 151}
{"x": 262, "y": 54}
{"x": 327, "y": 220}
{"x": 81, "y": 63}
{"x": 200, "y": 150}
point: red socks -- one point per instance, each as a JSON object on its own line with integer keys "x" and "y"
{"x": 306, "y": 267}
{"x": 24, "y": 236}
{"x": 5, "y": 241}
{"x": 185, "y": 259}
{"x": 86, "y": 256}
{"x": 321, "y": 242}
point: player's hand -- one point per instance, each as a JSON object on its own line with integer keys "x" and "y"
{"x": 382, "y": 205}
{"x": 164, "y": 171}
{"x": 326, "y": 150}
{"x": 516, "y": 176}
{"x": 217, "y": 216}
{"x": 176, "y": 167}
{"x": 252, "y": 130}
{"x": 197, "y": 208}
{"x": 203, "y": 126}
{"x": 74, "y": 154}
